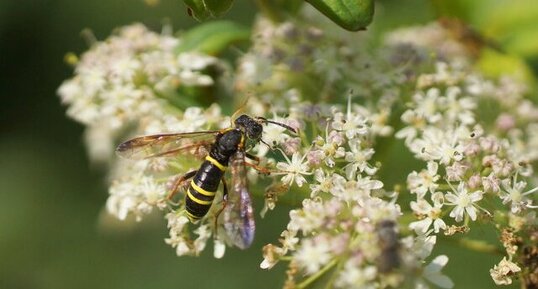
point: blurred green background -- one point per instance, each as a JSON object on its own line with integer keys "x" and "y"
{"x": 51, "y": 198}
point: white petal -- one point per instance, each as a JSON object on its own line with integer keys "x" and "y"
{"x": 440, "y": 280}
{"x": 451, "y": 198}
{"x": 457, "y": 213}
{"x": 436, "y": 265}
{"x": 439, "y": 224}
{"x": 471, "y": 211}
{"x": 476, "y": 196}
{"x": 432, "y": 168}
{"x": 421, "y": 227}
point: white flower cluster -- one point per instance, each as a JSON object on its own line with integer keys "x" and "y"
{"x": 343, "y": 224}
{"x": 131, "y": 76}
{"x": 350, "y": 106}
{"x": 442, "y": 130}
{"x": 471, "y": 164}
{"x": 287, "y": 61}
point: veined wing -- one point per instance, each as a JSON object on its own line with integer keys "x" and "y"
{"x": 238, "y": 213}
{"x": 159, "y": 145}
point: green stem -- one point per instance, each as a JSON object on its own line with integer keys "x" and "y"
{"x": 329, "y": 284}
{"x": 314, "y": 277}
{"x": 476, "y": 245}
{"x": 479, "y": 246}
{"x": 285, "y": 258}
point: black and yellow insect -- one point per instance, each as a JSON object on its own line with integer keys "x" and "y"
{"x": 221, "y": 149}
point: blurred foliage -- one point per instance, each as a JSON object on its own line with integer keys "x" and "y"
{"x": 510, "y": 25}
{"x": 351, "y": 15}
{"x": 51, "y": 222}
{"x": 213, "y": 37}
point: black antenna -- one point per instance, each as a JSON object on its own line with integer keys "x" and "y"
{"x": 264, "y": 120}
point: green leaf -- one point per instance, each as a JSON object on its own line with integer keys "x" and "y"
{"x": 218, "y": 7}
{"x": 204, "y": 9}
{"x": 352, "y": 15}
{"x": 197, "y": 9}
{"x": 213, "y": 37}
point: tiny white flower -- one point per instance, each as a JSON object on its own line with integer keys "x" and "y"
{"x": 459, "y": 109}
{"x": 176, "y": 222}
{"x": 513, "y": 193}
{"x": 423, "y": 245}
{"x": 416, "y": 123}
{"x": 323, "y": 183}
{"x": 182, "y": 248}
{"x": 331, "y": 147}
{"x": 358, "y": 160}
{"x": 446, "y": 151}
{"x": 312, "y": 255}
{"x": 203, "y": 233}
{"x": 359, "y": 190}
{"x": 274, "y": 134}
{"x": 463, "y": 201}
{"x": 355, "y": 276}
{"x": 491, "y": 183}
{"x": 425, "y": 181}
{"x": 153, "y": 191}
{"x": 309, "y": 218}
{"x": 289, "y": 240}
{"x": 432, "y": 272}
{"x": 427, "y": 105}
{"x": 432, "y": 214}
{"x": 456, "y": 171}
{"x": 294, "y": 169}
{"x": 351, "y": 124}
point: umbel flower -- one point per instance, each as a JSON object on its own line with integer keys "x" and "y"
{"x": 364, "y": 218}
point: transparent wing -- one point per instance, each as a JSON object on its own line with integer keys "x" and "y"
{"x": 159, "y": 145}
{"x": 238, "y": 213}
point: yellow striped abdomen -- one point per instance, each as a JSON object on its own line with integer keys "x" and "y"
{"x": 203, "y": 188}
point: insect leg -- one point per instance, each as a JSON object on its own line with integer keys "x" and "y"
{"x": 255, "y": 165}
{"x": 178, "y": 183}
{"x": 224, "y": 189}
{"x": 253, "y": 157}
{"x": 260, "y": 169}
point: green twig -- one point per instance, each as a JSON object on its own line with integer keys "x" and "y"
{"x": 314, "y": 277}
{"x": 329, "y": 284}
{"x": 476, "y": 245}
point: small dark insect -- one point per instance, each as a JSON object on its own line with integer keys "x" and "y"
{"x": 387, "y": 234}
{"x": 226, "y": 147}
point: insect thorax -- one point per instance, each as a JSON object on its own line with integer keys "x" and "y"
{"x": 226, "y": 145}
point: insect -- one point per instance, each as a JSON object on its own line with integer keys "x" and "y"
{"x": 222, "y": 148}
{"x": 389, "y": 258}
